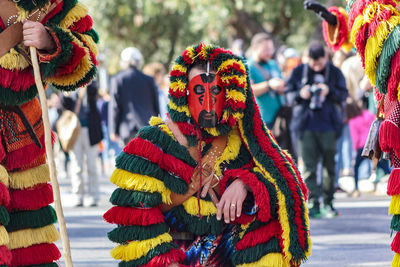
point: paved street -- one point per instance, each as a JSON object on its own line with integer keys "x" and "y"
{"x": 360, "y": 236}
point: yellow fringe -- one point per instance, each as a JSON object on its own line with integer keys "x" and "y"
{"x": 203, "y": 51}
{"x": 213, "y": 131}
{"x": 76, "y": 13}
{"x": 244, "y": 227}
{"x": 241, "y": 79}
{"x": 28, "y": 237}
{"x": 269, "y": 260}
{"x": 374, "y": 45}
{"x": 179, "y": 67}
{"x": 157, "y": 121}
{"x": 398, "y": 92}
{"x": 237, "y": 115}
{"x": 230, "y": 62}
{"x": 3, "y": 175}
{"x": 283, "y": 216}
{"x": 238, "y": 96}
{"x": 137, "y": 249}
{"x": 207, "y": 208}
{"x": 178, "y": 85}
{"x": 191, "y": 52}
{"x": 396, "y": 260}
{"x": 230, "y": 152}
{"x": 89, "y": 43}
{"x": 184, "y": 109}
{"x": 394, "y": 207}
{"x": 138, "y": 182}
{"x": 4, "y": 238}
{"x": 29, "y": 178}
{"x": 13, "y": 61}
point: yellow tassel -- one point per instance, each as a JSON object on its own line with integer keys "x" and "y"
{"x": 235, "y": 95}
{"x": 184, "y": 109}
{"x": 269, "y": 260}
{"x": 76, "y": 13}
{"x": 213, "y": 131}
{"x": 155, "y": 120}
{"x": 178, "y": 85}
{"x": 3, "y": 175}
{"x": 89, "y": 43}
{"x": 227, "y": 63}
{"x": 230, "y": 152}
{"x": 28, "y": 237}
{"x": 398, "y": 92}
{"x": 237, "y": 115}
{"x": 179, "y": 67}
{"x": 241, "y": 79}
{"x": 396, "y": 260}
{"x": 137, "y": 249}
{"x": 4, "y": 238}
{"x": 29, "y": 178}
{"x": 138, "y": 182}
{"x": 207, "y": 208}
{"x": 394, "y": 207}
{"x": 13, "y": 61}
{"x": 244, "y": 227}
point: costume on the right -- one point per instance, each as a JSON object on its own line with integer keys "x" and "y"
{"x": 273, "y": 229}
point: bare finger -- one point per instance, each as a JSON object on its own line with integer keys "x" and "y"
{"x": 232, "y": 211}
{"x": 213, "y": 196}
{"x": 220, "y": 206}
{"x": 227, "y": 207}
{"x": 239, "y": 208}
{"x": 207, "y": 185}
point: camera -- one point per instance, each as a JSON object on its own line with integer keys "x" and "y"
{"x": 316, "y": 99}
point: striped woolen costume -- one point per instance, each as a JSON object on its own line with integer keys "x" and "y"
{"x": 374, "y": 30}
{"x": 154, "y": 164}
{"x": 27, "y": 233}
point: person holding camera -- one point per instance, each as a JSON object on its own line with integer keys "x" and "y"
{"x": 317, "y": 90}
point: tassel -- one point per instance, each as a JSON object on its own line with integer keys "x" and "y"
{"x": 271, "y": 259}
{"x": 389, "y": 137}
{"x": 5, "y": 256}
{"x": 393, "y": 187}
{"x": 36, "y": 254}
{"x": 394, "y": 207}
{"x": 396, "y": 243}
{"x": 29, "y": 178}
{"x": 134, "y": 216}
{"x": 396, "y": 260}
{"x": 174, "y": 256}
{"x": 31, "y": 199}
{"x": 28, "y": 237}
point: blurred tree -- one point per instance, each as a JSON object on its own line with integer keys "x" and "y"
{"x": 163, "y": 28}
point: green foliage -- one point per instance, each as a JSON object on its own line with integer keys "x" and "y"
{"x": 162, "y": 29}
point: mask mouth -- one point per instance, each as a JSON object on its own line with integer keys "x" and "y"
{"x": 208, "y": 119}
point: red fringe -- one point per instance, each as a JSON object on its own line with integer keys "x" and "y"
{"x": 177, "y": 94}
{"x": 4, "y": 196}
{"x": 281, "y": 165}
{"x": 187, "y": 58}
{"x": 394, "y": 77}
{"x": 396, "y": 243}
{"x": 244, "y": 219}
{"x": 17, "y": 81}
{"x": 235, "y": 105}
{"x": 186, "y": 128}
{"x": 383, "y": 15}
{"x": 389, "y": 137}
{"x": 393, "y": 187}
{"x": 36, "y": 254}
{"x": 260, "y": 192}
{"x": 134, "y": 216}
{"x": 343, "y": 32}
{"x": 177, "y": 73}
{"x": 31, "y": 199}
{"x": 198, "y": 50}
{"x": 24, "y": 156}
{"x": 235, "y": 66}
{"x": 260, "y": 235}
{"x": 173, "y": 256}
{"x": 148, "y": 150}
{"x": 78, "y": 53}
{"x": 233, "y": 81}
{"x": 218, "y": 51}
{"x": 361, "y": 41}
{"x": 5, "y": 256}
{"x": 53, "y": 12}
{"x": 82, "y": 25}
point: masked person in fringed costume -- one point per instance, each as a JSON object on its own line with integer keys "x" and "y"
{"x": 62, "y": 32}
{"x": 374, "y": 29}
{"x": 209, "y": 186}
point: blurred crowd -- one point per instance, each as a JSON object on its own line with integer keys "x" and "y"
{"x": 317, "y": 103}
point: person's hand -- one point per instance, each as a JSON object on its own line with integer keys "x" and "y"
{"x": 173, "y": 265}
{"x": 321, "y": 11}
{"x": 231, "y": 201}
{"x": 325, "y": 89}
{"x": 305, "y": 92}
{"x": 277, "y": 84}
{"x": 36, "y": 35}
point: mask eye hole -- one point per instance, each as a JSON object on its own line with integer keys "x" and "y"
{"x": 199, "y": 89}
{"x": 215, "y": 90}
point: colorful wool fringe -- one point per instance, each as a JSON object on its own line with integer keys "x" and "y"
{"x": 337, "y": 36}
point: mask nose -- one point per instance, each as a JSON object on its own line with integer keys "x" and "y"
{"x": 208, "y": 101}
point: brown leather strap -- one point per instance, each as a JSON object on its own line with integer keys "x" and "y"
{"x": 12, "y": 35}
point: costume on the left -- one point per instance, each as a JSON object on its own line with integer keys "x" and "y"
{"x": 27, "y": 233}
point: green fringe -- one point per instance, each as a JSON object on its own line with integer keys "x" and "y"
{"x": 67, "y": 6}
{"x": 390, "y": 47}
{"x": 181, "y": 101}
{"x": 50, "y": 69}
{"x": 255, "y": 253}
{"x": 158, "y": 250}
{"x": 395, "y": 223}
{"x": 85, "y": 80}
{"x": 197, "y": 225}
{"x": 30, "y": 6}
{"x": 123, "y": 234}
{"x": 12, "y": 98}
{"x": 4, "y": 216}
{"x": 92, "y": 33}
{"x": 168, "y": 145}
{"x": 243, "y": 158}
{"x": 136, "y": 164}
{"x": 32, "y": 219}
{"x": 126, "y": 198}
{"x": 53, "y": 264}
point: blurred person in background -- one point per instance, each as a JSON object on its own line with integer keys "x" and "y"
{"x": 157, "y": 71}
{"x": 134, "y": 98}
{"x": 316, "y": 90}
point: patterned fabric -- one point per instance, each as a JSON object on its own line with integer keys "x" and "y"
{"x": 154, "y": 164}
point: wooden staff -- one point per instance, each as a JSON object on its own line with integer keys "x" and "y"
{"x": 50, "y": 158}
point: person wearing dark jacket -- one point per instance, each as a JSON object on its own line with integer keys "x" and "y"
{"x": 134, "y": 98}
{"x": 85, "y": 149}
{"x": 316, "y": 91}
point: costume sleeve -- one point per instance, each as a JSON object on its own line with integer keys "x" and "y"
{"x": 337, "y": 88}
{"x": 73, "y": 64}
{"x": 142, "y": 233}
{"x": 337, "y": 36}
